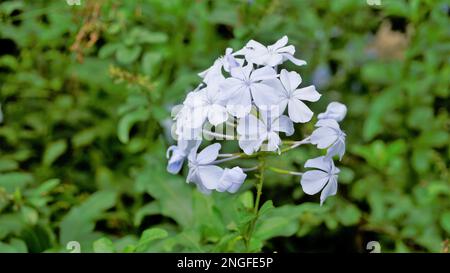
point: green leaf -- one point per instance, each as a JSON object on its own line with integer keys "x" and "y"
{"x": 266, "y": 207}
{"x": 53, "y": 151}
{"x": 281, "y": 221}
{"x": 15, "y": 246}
{"x": 445, "y": 221}
{"x": 127, "y": 122}
{"x": 152, "y": 37}
{"x": 108, "y": 50}
{"x": 348, "y": 215}
{"x": 422, "y": 159}
{"x": 15, "y": 180}
{"x": 8, "y": 165}
{"x": 247, "y": 199}
{"x": 175, "y": 197}
{"x": 11, "y": 223}
{"x": 150, "y": 62}
{"x": 103, "y": 245}
{"x": 84, "y": 137}
{"x": 30, "y": 215}
{"x": 127, "y": 55}
{"x": 148, "y": 236}
{"x": 152, "y": 208}
{"x": 79, "y": 223}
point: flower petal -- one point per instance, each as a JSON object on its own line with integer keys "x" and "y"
{"x": 298, "y": 111}
{"x": 273, "y": 59}
{"x": 330, "y": 123}
{"x": 279, "y": 44}
{"x": 294, "y": 80}
{"x": 284, "y": 78}
{"x": 264, "y": 96}
{"x": 209, "y": 154}
{"x": 231, "y": 180}
{"x": 290, "y": 49}
{"x": 210, "y": 176}
{"x": 335, "y": 110}
{"x": 250, "y": 146}
{"x": 263, "y": 73}
{"x": 217, "y": 114}
{"x": 283, "y": 124}
{"x": 175, "y": 163}
{"x": 273, "y": 141}
{"x": 313, "y": 181}
{"x": 241, "y": 103}
{"x": 293, "y": 59}
{"x": 338, "y": 148}
{"x": 242, "y": 73}
{"x": 323, "y": 137}
{"x": 308, "y": 93}
{"x": 251, "y": 128}
{"x": 321, "y": 163}
{"x": 329, "y": 190}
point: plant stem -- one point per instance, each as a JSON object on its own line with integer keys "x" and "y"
{"x": 250, "y": 169}
{"x": 259, "y": 185}
{"x": 283, "y": 171}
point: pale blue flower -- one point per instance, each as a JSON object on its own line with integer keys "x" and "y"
{"x": 253, "y": 131}
{"x": 245, "y": 84}
{"x": 201, "y": 171}
{"x": 177, "y": 154}
{"x": 324, "y": 177}
{"x": 292, "y": 97}
{"x": 231, "y": 180}
{"x": 214, "y": 73}
{"x": 272, "y": 55}
{"x": 329, "y": 135}
{"x": 335, "y": 110}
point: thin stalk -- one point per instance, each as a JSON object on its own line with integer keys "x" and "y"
{"x": 250, "y": 169}
{"x": 225, "y": 155}
{"x": 225, "y": 159}
{"x": 296, "y": 144}
{"x": 282, "y": 171}
{"x": 259, "y": 186}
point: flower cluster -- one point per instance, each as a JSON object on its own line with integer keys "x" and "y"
{"x": 247, "y": 92}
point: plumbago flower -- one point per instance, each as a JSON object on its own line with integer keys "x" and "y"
{"x": 247, "y": 94}
{"x": 324, "y": 177}
{"x": 246, "y": 84}
{"x": 272, "y": 55}
{"x": 254, "y": 132}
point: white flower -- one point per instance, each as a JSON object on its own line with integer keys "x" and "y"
{"x": 335, "y": 110}
{"x": 325, "y": 177}
{"x": 214, "y": 73}
{"x": 205, "y": 104}
{"x": 244, "y": 84}
{"x": 191, "y": 114}
{"x": 177, "y": 154}
{"x": 231, "y": 180}
{"x": 329, "y": 135}
{"x": 271, "y": 55}
{"x": 213, "y": 105}
{"x": 292, "y": 97}
{"x": 253, "y": 131}
{"x": 201, "y": 172}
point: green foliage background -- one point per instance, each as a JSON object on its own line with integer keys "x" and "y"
{"x": 84, "y": 134}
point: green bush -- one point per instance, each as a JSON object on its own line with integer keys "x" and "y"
{"x": 86, "y": 93}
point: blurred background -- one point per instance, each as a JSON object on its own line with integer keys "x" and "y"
{"x": 86, "y": 92}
